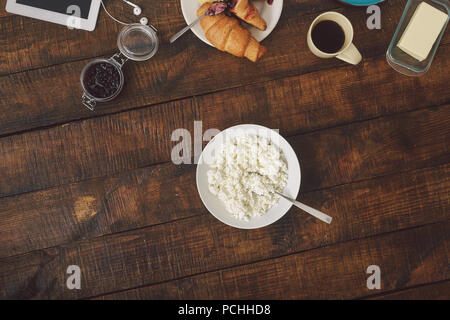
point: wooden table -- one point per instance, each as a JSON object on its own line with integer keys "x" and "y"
{"x": 99, "y": 190}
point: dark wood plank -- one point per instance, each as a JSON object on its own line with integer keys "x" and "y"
{"x": 199, "y": 244}
{"x": 33, "y": 43}
{"x": 186, "y": 69}
{"x": 97, "y": 193}
{"x": 164, "y": 193}
{"x": 3, "y": 12}
{"x": 435, "y": 291}
{"x": 337, "y": 272}
{"x": 96, "y": 207}
{"x": 65, "y": 154}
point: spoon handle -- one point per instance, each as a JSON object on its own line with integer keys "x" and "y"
{"x": 183, "y": 31}
{"x": 314, "y": 212}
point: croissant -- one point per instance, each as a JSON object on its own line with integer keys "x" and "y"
{"x": 226, "y": 34}
{"x": 246, "y": 11}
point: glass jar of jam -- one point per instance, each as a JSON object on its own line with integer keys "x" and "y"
{"x": 102, "y": 79}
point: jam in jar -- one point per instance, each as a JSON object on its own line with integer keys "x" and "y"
{"x": 102, "y": 80}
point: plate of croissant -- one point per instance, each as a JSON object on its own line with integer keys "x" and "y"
{"x": 239, "y": 28}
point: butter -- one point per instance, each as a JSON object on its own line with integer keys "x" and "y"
{"x": 422, "y": 31}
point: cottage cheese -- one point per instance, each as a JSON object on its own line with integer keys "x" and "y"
{"x": 244, "y": 174}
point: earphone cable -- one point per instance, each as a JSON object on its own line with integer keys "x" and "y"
{"x": 110, "y": 15}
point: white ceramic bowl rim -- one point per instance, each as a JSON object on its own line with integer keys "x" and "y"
{"x": 217, "y": 208}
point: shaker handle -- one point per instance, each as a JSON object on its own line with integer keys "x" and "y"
{"x": 89, "y": 102}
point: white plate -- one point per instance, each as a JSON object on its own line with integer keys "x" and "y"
{"x": 217, "y": 207}
{"x": 270, "y": 13}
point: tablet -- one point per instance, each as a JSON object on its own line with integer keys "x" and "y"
{"x": 63, "y": 12}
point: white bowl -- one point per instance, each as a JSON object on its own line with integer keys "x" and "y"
{"x": 270, "y": 13}
{"x": 217, "y": 207}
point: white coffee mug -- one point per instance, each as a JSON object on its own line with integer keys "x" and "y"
{"x": 348, "y": 53}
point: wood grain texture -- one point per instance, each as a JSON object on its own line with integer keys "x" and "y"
{"x": 98, "y": 189}
{"x": 335, "y": 272}
{"x": 163, "y": 193}
{"x": 3, "y": 12}
{"x": 96, "y": 207}
{"x": 186, "y": 69}
{"x": 28, "y": 47}
{"x": 434, "y": 291}
{"x": 201, "y": 243}
{"x": 33, "y": 44}
{"x": 66, "y": 154}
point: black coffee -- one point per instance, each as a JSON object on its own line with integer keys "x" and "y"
{"x": 328, "y": 36}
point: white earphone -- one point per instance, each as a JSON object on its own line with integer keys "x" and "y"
{"x": 136, "y": 10}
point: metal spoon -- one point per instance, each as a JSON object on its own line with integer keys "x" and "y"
{"x": 257, "y": 185}
{"x": 183, "y": 31}
{"x": 215, "y": 8}
{"x": 314, "y": 212}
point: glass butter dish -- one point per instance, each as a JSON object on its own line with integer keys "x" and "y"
{"x": 398, "y": 59}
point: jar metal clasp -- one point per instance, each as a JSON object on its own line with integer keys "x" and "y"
{"x": 120, "y": 59}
